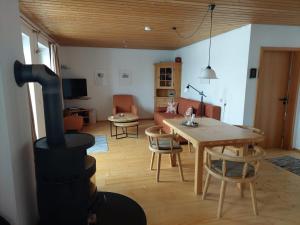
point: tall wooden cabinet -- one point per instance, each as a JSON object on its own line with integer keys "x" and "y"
{"x": 167, "y": 83}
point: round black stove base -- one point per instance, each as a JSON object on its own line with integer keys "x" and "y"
{"x": 115, "y": 209}
{"x": 3, "y": 221}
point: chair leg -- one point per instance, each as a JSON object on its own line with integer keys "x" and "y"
{"x": 241, "y": 188}
{"x": 189, "y": 146}
{"x": 152, "y": 160}
{"x": 223, "y": 149}
{"x": 221, "y": 200}
{"x": 207, "y": 181}
{"x": 180, "y": 166}
{"x": 158, "y": 167}
{"x": 253, "y": 197}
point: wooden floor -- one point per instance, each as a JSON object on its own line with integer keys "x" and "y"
{"x": 125, "y": 169}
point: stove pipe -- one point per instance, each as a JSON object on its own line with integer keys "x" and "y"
{"x": 51, "y": 95}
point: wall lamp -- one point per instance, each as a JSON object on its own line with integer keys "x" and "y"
{"x": 201, "y": 93}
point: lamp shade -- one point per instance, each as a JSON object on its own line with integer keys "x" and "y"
{"x": 208, "y": 73}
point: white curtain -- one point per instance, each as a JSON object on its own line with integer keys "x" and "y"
{"x": 55, "y": 65}
{"x": 54, "y": 59}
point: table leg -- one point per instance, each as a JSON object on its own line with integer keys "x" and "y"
{"x": 173, "y": 156}
{"x": 111, "y": 134}
{"x": 198, "y": 169}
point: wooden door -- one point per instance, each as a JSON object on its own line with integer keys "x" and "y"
{"x": 292, "y": 94}
{"x": 276, "y": 97}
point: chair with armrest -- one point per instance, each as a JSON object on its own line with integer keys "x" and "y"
{"x": 162, "y": 143}
{"x": 237, "y": 149}
{"x": 234, "y": 169}
{"x": 124, "y": 104}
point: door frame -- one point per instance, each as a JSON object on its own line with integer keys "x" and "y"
{"x": 282, "y": 49}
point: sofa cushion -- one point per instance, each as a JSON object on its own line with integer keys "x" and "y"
{"x": 212, "y": 111}
{"x": 160, "y": 116}
{"x": 184, "y": 104}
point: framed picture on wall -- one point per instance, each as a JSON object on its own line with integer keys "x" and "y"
{"x": 125, "y": 78}
{"x": 100, "y": 77}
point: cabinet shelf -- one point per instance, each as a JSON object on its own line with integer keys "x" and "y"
{"x": 167, "y": 82}
{"x": 85, "y": 113}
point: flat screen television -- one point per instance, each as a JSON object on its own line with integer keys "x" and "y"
{"x": 74, "y": 88}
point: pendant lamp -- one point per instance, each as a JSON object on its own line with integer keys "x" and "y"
{"x": 208, "y": 72}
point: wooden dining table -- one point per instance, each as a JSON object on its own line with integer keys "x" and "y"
{"x": 209, "y": 133}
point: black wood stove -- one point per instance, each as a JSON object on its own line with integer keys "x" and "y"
{"x": 65, "y": 174}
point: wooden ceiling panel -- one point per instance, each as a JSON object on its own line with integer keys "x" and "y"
{"x": 120, "y": 23}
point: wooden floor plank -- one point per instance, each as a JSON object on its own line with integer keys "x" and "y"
{"x": 125, "y": 169}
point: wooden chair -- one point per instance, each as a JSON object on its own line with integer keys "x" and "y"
{"x": 234, "y": 169}
{"x": 238, "y": 149}
{"x": 162, "y": 143}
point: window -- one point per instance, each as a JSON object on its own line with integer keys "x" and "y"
{"x": 44, "y": 54}
{"x": 28, "y": 60}
{"x": 26, "y": 48}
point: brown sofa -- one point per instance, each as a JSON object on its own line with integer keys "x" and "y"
{"x": 210, "y": 110}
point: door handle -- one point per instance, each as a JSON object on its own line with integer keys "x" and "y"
{"x": 284, "y": 100}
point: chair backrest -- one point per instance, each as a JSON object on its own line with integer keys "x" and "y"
{"x": 226, "y": 161}
{"x": 253, "y": 129}
{"x": 184, "y": 104}
{"x": 155, "y": 134}
{"x": 211, "y": 111}
{"x": 123, "y": 103}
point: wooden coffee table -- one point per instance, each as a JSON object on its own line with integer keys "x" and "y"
{"x": 123, "y": 120}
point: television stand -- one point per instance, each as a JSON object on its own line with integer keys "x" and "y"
{"x": 78, "y": 98}
{"x": 89, "y": 115}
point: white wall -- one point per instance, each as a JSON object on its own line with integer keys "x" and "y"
{"x": 233, "y": 54}
{"x": 229, "y": 59}
{"x": 268, "y": 36}
{"x": 17, "y": 183}
{"x": 84, "y": 62}
{"x": 297, "y": 126}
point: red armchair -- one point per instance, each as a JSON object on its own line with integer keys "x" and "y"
{"x": 124, "y": 104}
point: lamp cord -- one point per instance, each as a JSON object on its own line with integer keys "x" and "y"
{"x": 195, "y": 31}
{"x": 211, "y": 24}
